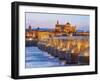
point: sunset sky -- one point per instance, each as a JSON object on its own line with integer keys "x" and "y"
{"x": 47, "y": 20}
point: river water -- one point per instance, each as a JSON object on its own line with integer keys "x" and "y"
{"x": 35, "y": 58}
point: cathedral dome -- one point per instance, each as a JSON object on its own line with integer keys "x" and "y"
{"x": 68, "y": 23}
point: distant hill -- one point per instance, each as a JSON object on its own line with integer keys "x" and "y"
{"x": 81, "y": 31}
{"x": 42, "y": 29}
{"x": 48, "y": 29}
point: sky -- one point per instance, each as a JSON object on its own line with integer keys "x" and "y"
{"x": 48, "y": 20}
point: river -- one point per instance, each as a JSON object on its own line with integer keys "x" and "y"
{"x": 35, "y": 58}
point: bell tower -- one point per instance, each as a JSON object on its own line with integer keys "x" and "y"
{"x": 30, "y": 28}
{"x": 57, "y": 22}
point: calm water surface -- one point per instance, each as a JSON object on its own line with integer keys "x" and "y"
{"x": 35, "y": 58}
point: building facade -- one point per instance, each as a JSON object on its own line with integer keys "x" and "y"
{"x": 65, "y": 28}
{"x": 60, "y": 29}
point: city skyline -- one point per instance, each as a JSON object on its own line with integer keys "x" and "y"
{"x": 47, "y": 20}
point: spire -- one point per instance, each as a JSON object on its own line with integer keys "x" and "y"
{"x": 57, "y": 22}
{"x": 30, "y": 28}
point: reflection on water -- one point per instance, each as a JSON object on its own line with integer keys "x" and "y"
{"x": 37, "y": 58}
{"x": 58, "y": 51}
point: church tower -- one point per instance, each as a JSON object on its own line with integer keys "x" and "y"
{"x": 57, "y": 22}
{"x": 30, "y": 28}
